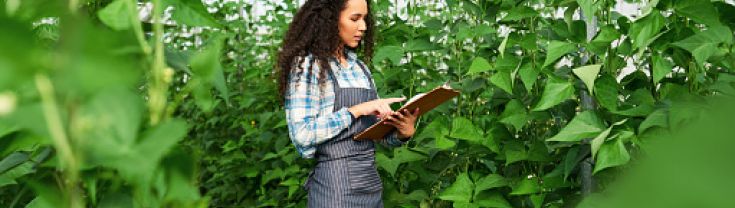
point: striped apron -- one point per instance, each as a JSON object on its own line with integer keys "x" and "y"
{"x": 345, "y": 174}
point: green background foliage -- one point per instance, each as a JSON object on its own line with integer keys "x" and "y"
{"x": 101, "y": 108}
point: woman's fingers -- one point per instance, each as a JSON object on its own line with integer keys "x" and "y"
{"x": 388, "y": 101}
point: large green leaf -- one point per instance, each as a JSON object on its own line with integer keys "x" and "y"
{"x": 436, "y": 129}
{"x": 400, "y": 156}
{"x": 392, "y": 53}
{"x": 514, "y": 151}
{"x": 646, "y": 28}
{"x": 519, "y": 13}
{"x": 109, "y": 124}
{"x": 606, "y": 92}
{"x": 598, "y": 141}
{"x": 420, "y": 44}
{"x": 528, "y": 75}
{"x": 584, "y": 125}
{"x": 556, "y": 50}
{"x": 462, "y": 128}
{"x": 7, "y": 129}
{"x": 460, "y": 190}
{"x": 612, "y": 153}
{"x": 603, "y": 39}
{"x": 191, "y": 13}
{"x": 701, "y": 11}
{"x": 503, "y": 80}
{"x": 589, "y": 8}
{"x": 658, "y": 117}
{"x": 12, "y": 160}
{"x": 9, "y": 176}
{"x": 207, "y": 68}
{"x": 661, "y": 67}
{"x": 444, "y": 143}
{"x": 514, "y": 114}
{"x": 526, "y": 186}
{"x": 479, "y": 64}
{"x": 556, "y": 91}
{"x": 489, "y": 182}
{"x": 494, "y": 199}
{"x": 602, "y": 137}
{"x": 118, "y": 14}
{"x": 703, "y": 44}
{"x": 571, "y": 159}
{"x": 588, "y": 74}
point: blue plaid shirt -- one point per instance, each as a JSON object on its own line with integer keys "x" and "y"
{"x": 309, "y": 110}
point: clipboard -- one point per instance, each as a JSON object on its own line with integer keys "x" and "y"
{"x": 425, "y": 102}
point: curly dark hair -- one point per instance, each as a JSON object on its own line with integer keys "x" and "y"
{"x": 314, "y": 30}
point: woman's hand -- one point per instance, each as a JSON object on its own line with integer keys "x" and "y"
{"x": 405, "y": 122}
{"x": 379, "y": 107}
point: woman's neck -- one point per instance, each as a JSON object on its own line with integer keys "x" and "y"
{"x": 341, "y": 57}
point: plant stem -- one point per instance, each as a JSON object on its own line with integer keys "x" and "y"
{"x": 157, "y": 88}
{"x": 137, "y": 28}
{"x": 60, "y": 141}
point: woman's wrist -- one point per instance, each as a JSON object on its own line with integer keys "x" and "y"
{"x": 353, "y": 112}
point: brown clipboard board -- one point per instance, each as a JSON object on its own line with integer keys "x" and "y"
{"x": 425, "y": 103}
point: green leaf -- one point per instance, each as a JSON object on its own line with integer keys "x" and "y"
{"x": 462, "y": 128}
{"x": 537, "y": 200}
{"x": 556, "y": 91}
{"x": 658, "y": 117}
{"x": 207, "y": 68}
{"x": 570, "y": 161}
{"x": 514, "y": 114}
{"x": 400, "y": 156}
{"x": 494, "y": 199}
{"x": 386, "y": 163}
{"x": 12, "y": 160}
{"x": 588, "y": 9}
{"x": 191, "y": 13}
{"x": 489, "y": 182}
{"x": 701, "y": 11}
{"x": 420, "y": 44}
{"x": 444, "y": 143}
{"x": 526, "y": 186}
{"x": 646, "y": 28}
{"x": 598, "y": 140}
{"x": 435, "y": 129}
{"x": 8, "y": 177}
{"x": 528, "y": 74}
{"x": 503, "y": 80}
{"x": 556, "y": 50}
{"x": 7, "y": 129}
{"x": 460, "y": 190}
{"x": 501, "y": 48}
{"x": 588, "y": 74}
{"x": 112, "y": 119}
{"x": 479, "y": 64}
{"x": 117, "y": 15}
{"x": 392, "y": 53}
{"x": 603, "y": 39}
{"x": 661, "y": 67}
{"x": 584, "y": 125}
{"x": 611, "y": 154}
{"x": 606, "y": 92}
{"x": 703, "y": 44}
{"x": 514, "y": 151}
{"x": 519, "y": 13}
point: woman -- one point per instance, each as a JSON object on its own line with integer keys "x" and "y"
{"x": 330, "y": 96}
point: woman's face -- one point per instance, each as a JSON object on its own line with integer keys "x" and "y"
{"x": 352, "y": 23}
